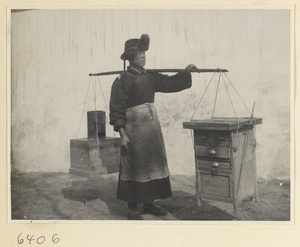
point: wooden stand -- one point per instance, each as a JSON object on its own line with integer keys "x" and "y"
{"x": 225, "y": 159}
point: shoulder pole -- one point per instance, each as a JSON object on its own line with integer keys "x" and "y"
{"x": 163, "y": 71}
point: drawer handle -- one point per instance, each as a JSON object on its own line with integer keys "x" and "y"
{"x": 215, "y": 164}
{"x": 212, "y": 151}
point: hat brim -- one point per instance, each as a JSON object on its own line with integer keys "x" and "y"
{"x": 130, "y": 53}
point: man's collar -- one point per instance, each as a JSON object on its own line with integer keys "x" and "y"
{"x": 133, "y": 70}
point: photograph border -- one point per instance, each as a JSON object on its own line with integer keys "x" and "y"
{"x": 112, "y": 231}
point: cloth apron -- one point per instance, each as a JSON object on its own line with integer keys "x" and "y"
{"x": 145, "y": 159}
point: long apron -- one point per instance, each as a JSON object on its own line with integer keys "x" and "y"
{"x": 144, "y": 173}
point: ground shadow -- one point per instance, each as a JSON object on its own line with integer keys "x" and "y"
{"x": 182, "y": 205}
{"x": 52, "y": 196}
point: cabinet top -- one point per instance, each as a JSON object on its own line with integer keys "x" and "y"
{"x": 224, "y": 123}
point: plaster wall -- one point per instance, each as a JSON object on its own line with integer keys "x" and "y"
{"x": 53, "y": 51}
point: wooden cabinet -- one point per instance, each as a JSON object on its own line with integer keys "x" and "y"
{"x": 225, "y": 162}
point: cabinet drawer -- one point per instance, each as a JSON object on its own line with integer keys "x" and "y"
{"x": 220, "y": 138}
{"x": 202, "y": 137}
{"x": 216, "y": 152}
{"x": 213, "y": 165}
{"x": 211, "y": 138}
{"x": 219, "y": 185}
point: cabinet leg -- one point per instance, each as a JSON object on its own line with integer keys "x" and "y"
{"x": 198, "y": 201}
{"x": 235, "y": 207}
{"x": 254, "y": 199}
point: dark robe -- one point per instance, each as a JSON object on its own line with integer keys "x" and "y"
{"x": 144, "y": 174}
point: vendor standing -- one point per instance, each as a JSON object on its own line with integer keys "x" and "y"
{"x": 144, "y": 173}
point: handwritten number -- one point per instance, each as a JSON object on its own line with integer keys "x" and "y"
{"x": 30, "y": 239}
{"x": 55, "y": 239}
{"x": 20, "y": 241}
{"x": 41, "y": 241}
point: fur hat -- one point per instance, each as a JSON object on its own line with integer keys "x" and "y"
{"x": 133, "y": 46}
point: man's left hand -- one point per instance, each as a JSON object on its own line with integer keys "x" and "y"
{"x": 191, "y": 67}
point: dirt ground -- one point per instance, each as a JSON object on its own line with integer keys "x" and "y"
{"x": 62, "y": 196}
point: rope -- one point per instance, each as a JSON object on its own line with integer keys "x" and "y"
{"x": 229, "y": 96}
{"x": 106, "y": 107}
{"x": 216, "y": 96}
{"x": 238, "y": 122}
{"x": 221, "y": 74}
{"x": 84, "y": 107}
{"x": 96, "y": 118}
{"x": 95, "y": 106}
{"x": 203, "y": 95}
{"x": 244, "y": 150}
{"x": 106, "y": 118}
{"x": 238, "y": 94}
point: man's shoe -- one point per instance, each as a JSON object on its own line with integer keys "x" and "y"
{"x": 155, "y": 210}
{"x": 134, "y": 215}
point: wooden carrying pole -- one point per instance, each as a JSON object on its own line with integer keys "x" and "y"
{"x": 163, "y": 71}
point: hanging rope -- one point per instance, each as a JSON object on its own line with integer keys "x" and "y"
{"x": 203, "y": 95}
{"x": 84, "y": 107}
{"x": 96, "y": 117}
{"x": 106, "y": 118}
{"x": 238, "y": 94}
{"x": 106, "y": 107}
{"x": 229, "y": 96}
{"x": 95, "y": 105}
{"x": 191, "y": 132}
{"x": 216, "y": 96}
{"x": 244, "y": 151}
{"x": 238, "y": 122}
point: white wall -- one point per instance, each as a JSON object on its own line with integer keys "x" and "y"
{"x": 53, "y": 52}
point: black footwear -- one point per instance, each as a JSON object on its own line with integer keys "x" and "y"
{"x": 154, "y": 209}
{"x": 134, "y": 215}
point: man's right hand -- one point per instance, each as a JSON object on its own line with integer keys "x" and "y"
{"x": 124, "y": 139}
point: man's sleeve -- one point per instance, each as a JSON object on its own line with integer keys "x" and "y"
{"x": 175, "y": 83}
{"x": 117, "y": 105}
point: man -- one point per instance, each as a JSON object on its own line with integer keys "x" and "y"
{"x": 144, "y": 173}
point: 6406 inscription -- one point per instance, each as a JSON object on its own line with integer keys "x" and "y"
{"x": 31, "y": 239}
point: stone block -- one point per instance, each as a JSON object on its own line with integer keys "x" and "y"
{"x": 90, "y": 157}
